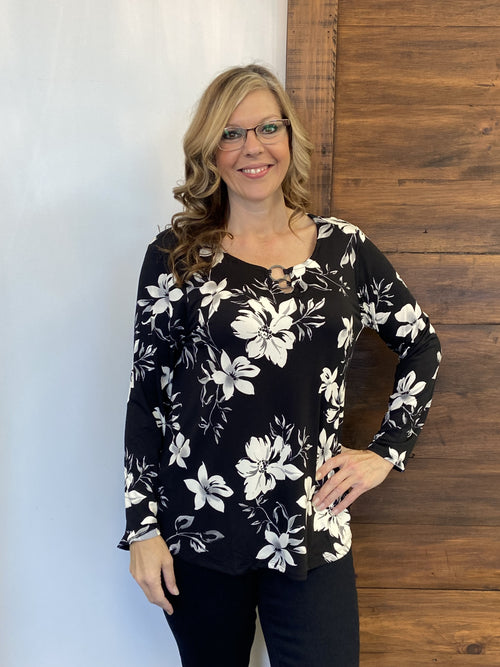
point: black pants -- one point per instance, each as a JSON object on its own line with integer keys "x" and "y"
{"x": 312, "y": 623}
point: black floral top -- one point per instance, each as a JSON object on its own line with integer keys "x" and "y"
{"x": 237, "y": 397}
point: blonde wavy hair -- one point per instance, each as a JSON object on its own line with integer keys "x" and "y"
{"x": 203, "y": 221}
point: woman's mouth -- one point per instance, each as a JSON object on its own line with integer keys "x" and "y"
{"x": 255, "y": 171}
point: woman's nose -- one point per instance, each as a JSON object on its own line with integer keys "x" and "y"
{"x": 252, "y": 143}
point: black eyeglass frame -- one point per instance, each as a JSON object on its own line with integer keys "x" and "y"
{"x": 268, "y": 140}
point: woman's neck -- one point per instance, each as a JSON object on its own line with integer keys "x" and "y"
{"x": 259, "y": 219}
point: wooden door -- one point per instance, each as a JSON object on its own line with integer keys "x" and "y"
{"x": 403, "y": 99}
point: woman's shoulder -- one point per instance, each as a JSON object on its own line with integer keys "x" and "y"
{"x": 327, "y": 226}
{"x": 157, "y": 251}
{"x": 165, "y": 240}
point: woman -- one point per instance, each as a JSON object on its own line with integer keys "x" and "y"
{"x": 237, "y": 486}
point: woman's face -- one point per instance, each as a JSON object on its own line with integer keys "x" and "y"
{"x": 255, "y": 172}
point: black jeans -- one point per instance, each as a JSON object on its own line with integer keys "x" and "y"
{"x": 312, "y": 623}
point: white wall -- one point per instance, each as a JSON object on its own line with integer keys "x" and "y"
{"x": 94, "y": 98}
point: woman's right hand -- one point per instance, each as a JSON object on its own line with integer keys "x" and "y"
{"x": 149, "y": 559}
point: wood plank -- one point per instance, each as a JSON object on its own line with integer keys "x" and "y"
{"x": 449, "y": 429}
{"x": 419, "y": 13}
{"x": 401, "y": 227}
{"x": 453, "y": 288}
{"x": 472, "y": 347}
{"x": 433, "y": 492}
{"x": 310, "y": 82}
{"x": 451, "y": 142}
{"x": 453, "y": 623}
{"x": 427, "y": 557}
{"x": 407, "y": 65}
{"x": 427, "y": 659}
{"x": 465, "y": 427}
{"x": 422, "y": 215}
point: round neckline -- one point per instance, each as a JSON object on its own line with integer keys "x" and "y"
{"x": 289, "y": 269}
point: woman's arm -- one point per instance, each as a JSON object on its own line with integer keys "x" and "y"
{"x": 150, "y": 563}
{"x": 388, "y": 307}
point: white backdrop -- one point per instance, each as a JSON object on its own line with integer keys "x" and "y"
{"x": 94, "y": 98}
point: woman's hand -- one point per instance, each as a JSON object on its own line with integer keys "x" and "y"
{"x": 150, "y": 559}
{"x": 357, "y": 471}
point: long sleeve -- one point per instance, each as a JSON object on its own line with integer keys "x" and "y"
{"x": 156, "y": 349}
{"x": 388, "y": 307}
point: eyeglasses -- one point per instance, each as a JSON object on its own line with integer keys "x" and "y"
{"x": 269, "y": 132}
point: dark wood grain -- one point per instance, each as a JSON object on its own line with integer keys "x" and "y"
{"x": 454, "y": 289}
{"x": 435, "y": 142}
{"x": 423, "y": 216}
{"x": 419, "y": 13}
{"x": 310, "y": 81}
{"x": 436, "y": 492}
{"x": 415, "y": 65}
{"x": 439, "y": 558}
{"x": 416, "y": 164}
{"x": 452, "y": 623}
{"x": 463, "y": 421}
{"x": 429, "y": 659}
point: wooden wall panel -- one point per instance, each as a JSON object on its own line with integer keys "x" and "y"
{"x": 429, "y": 13}
{"x": 453, "y": 287}
{"x": 413, "y": 65}
{"x": 411, "y": 623}
{"x": 436, "y": 492}
{"x": 310, "y": 79}
{"x": 416, "y": 164}
{"x": 463, "y": 421}
{"x": 427, "y": 556}
{"x": 423, "y": 215}
{"x": 453, "y": 143}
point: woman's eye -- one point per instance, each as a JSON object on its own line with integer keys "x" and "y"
{"x": 269, "y": 128}
{"x": 231, "y": 134}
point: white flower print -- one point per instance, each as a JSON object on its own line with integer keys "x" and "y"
{"x": 143, "y": 360}
{"x": 164, "y": 294}
{"x": 346, "y": 336}
{"x": 132, "y": 497}
{"x": 350, "y": 229}
{"x": 327, "y": 447}
{"x": 151, "y": 519}
{"x": 305, "y": 501}
{"x": 371, "y": 318}
{"x": 266, "y": 329}
{"x": 166, "y": 379}
{"x": 335, "y": 413}
{"x": 396, "y": 458}
{"x": 233, "y": 374}
{"x": 336, "y": 524}
{"x": 208, "y": 489}
{"x": 180, "y": 450}
{"x": 406, "y": 391}
{"x": 265, "y": 464}
{"x": 413, "y": 321}
{"x": 214, "y": 294}
{"x": 439, "y": 357}
{"x": 279, "y": 548}
{"x": 300, "y": 269}
{"x": 349, "y": 256}
{"x": 328, "y": 383}
{"x": 160, "y": 419}
{"x": 335, "y": 394}
{"x": 139, "y": 474}
{"x": 340, "y": 551}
